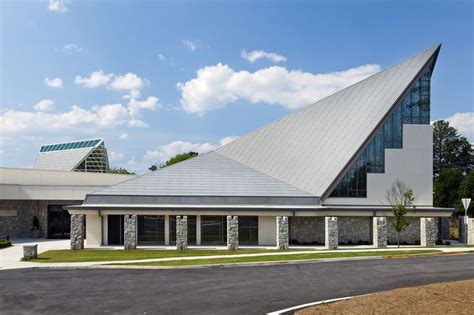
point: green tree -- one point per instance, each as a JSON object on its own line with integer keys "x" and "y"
{"x": 446, "y": 188}
{"x": 175, "y": 159}
{"x": 450, "y": 149}
{"x": 401, "y": 198}
{"x": 119, "y": 170}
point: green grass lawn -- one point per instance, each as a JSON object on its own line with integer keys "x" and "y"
{"x": 59, "y": 256}
{"x": 274, "y": 258}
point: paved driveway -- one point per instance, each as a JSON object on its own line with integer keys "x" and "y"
{"x": 10, "y": 257}
{"x": 223, "y": 290}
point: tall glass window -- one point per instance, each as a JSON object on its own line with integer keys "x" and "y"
{"x": 213, "y": 230}
{"x": 414, "y": 108}
{"x": 151, "y": 230}
{"x": 191, "y": 229}
{"x": 248, "y": 230}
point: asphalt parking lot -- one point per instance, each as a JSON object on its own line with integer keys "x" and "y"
{"x": 216, "y": 290}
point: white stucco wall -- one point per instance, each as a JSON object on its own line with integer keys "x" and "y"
{"x": 413, "y": 165}
{"x": 93, "y": 230}
{"x": 267, "y": 230}
{"x": 33, "y": 184}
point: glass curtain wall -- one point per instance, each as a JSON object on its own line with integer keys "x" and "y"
{"x": 413, "y": 109}
{"x": 248, "y": 230}
{"x": 151, "y": 230}
{"x": 213, "y": 230}
{"x": 191, "y": 229}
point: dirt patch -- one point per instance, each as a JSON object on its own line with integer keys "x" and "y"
{"x": 441, "y": 298}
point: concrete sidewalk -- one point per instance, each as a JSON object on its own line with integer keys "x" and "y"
{"x": 10, "y": 258}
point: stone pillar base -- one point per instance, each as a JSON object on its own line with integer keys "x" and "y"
{"x": 232, "y": 232}
{"x": 331, "y": 234}
{"x": 282, "y": 233}
{"x": 30, "y": 251}
{"x": 181, "y": 233}
{"x": 470, "y": 231}
{"x": 379, "y": 232}
{"x": 427, "y": 231}
{"x": 77, "y": 231}
{"x": 130, "y": 232}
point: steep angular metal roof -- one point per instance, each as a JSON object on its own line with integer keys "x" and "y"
{"x": 65, "y": 156}
{"x": 208, "y": 175}
{"x": 311, "y": 147}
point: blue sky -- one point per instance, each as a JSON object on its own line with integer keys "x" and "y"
{"x": 190, "y": 75}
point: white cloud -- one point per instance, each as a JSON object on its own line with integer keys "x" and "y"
{"x": 44, "y": 105}
{"x": 71, "y": 49}
{"x": 254, "y": 55}
{"x": 227, "y": 140}
{"x": 135, "y": 106}
{"x": 58, "y": 5}
{"x": 116, "y": 156}
{"x": 166, "y": 151}
{"x": 124, "y": 136}
{"x": 54, "y": 83}
{"x": 217, "y": 86}
{"x": 76, "y": 118}
{"x": 96, "y": 78}
{"x": 464, "y": 123}
{"x": 192, "y": 45}
{"x": 162, "y": 57}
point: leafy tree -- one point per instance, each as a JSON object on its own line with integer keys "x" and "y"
{"x": 401, "y": 198}
{"x": 119, "y": 170}
{"x": 175, "y": 159}
{"x": 450, "y": 149}
{"x": 446, "y": 188}
{"x": 466, "y": 190}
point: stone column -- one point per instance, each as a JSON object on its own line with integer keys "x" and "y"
{"x": 232, "y": 232}
{"x": 283, "y": 235}
{"x": 470, "y": 231}
{"x": 330, "y": 232}
{"x": 428, "y": 231}
{"x": 130, "y": 231}
{"x": 77, "y": 231}
{"x": 181, "y": 232}
{"x": 379, "y": 232}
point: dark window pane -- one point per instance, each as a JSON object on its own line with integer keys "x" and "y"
{"x": 248, "y": 230}
{"x": 213, "y": 230}
{"x": 151, "y": 230}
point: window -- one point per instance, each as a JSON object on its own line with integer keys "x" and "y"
{"x": 151, "y": 230}
{"x": 414, "y": 108}
{"x": 213, "y": 230}
{"x": 248, "y": 230}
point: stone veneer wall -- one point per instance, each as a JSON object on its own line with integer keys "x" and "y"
{"x": 232, "y": 232}
{"x": 411, "y": 234}
{"x": 307, "y": 230}
{"x": 130, "y": 231}
{"x": 355, "y": 229}
{"x": 19, "y": 225}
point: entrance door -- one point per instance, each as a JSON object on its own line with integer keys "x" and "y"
{"x": 115, "y": 229}
{"x": 59, "y": 222}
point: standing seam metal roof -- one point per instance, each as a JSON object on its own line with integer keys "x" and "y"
{"x": 309, "y": 148}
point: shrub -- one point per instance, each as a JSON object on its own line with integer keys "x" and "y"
{"x": 5, "y": 244}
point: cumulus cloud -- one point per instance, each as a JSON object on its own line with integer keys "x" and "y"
{"x": 227, "y": 140}
{"x": 166, "y": 151}
{"x": 71, "y": 49}
{"x": 135, "y": 106}
{"x": 44, "y": 105}
{"x": 192, "y": 45}
{"x": 53, "y": 83}
{"x": 464, "y": 123}
{"x": 254, "y": 55}
{"x": 76, "y": 118}
{"x": 124, "y": 136}
{"x": 116, "y": 156}
{"x": 95, "y": 79}
{"x": 217, "y": 86}
{"x": 58, "y": 5}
